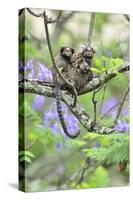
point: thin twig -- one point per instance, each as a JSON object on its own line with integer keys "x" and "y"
{"x": 34, "y": 14}
{"x": 120, "y": 107}
{"x": 127, "y": 17}
{"x": 104, "y": 86}
{"x": 58, "y": 17}
{"x": 59, "y": 26}
{"x": 82, "y": 174}
{"x": 20, "y": 11}
{"x": 104, "y": 89}
{"x": 53, "y": 61}
{"x": 49, "y": 20}
{"x": 90, "y": 168}
{"x": 95, "y": 102}
{"x": 92, "y": 20}
{"x": 95, "y": 106}
{"x": 32, "y": 143}
{"x": 102, "y": 49}
{"x": 112, "y": 108}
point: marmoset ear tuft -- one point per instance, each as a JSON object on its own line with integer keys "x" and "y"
{"x": 73, "y": 51}
{"x": 62, "y": 49}
{"x": 82, "y": 47}
{"x": 93, "y": 50}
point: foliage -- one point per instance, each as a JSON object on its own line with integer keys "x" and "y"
{"x": 108, "y": 146}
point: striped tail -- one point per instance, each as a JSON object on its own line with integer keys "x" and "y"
{"x": 60, "y": 113}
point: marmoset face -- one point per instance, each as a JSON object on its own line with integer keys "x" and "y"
{"x": 88, "y": 52}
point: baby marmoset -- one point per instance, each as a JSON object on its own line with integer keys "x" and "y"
{"x": 84, "y": 73}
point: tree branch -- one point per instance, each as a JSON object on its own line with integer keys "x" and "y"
{"x": 34, "y": 14}
{"x": 120, "y": 107}
{"x": 106, "y": 114}
{"x": 92, "y": 20}
{"x": 88, "y": 169}
{"x": 103, "y": 78}
{"x": 127, "y": 17}
{"x": 95, "y": 106}
{"x": 49, "y": 20}
{"x": 47, "y": 89}
{"x": 103, "y": 96}
{"x": 20, "y": 11}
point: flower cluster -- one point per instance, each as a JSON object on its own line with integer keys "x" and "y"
{"x": 51, "y": 120}
{"x": 108, "y": 105}
{"x": 122, "y": 125}
{"x": 36, "y": 71}
{"x": 40, "y": 103}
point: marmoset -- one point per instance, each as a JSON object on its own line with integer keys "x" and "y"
{"x": 87, "y": 53}
{"x": 62, "y": 61}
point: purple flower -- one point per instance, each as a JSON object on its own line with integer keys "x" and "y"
{"x": 109, "y": 53}
{"x": 73, "y": 129}
{"x": 108, "y": 105}
{"x": 64, "y": 107}
{"x": 122, "y": 126}
{"x": 20, "y": 65}
{"x": 58, "y": 146}
{"x": 48, "y": 116}
{"x": 44, "y": 73}
{"x": 72, "y": 124}
{"x": 125, "y": 112}
{"x": 97, "y": 145}
{"x": 21, "y": 71}
{"x": 29, "y": 69}
{"x": 38, "y": 102}
{"x": 113, "y": 114}
{"x": 55, "y": 128}
{"x": 19, "y": 77}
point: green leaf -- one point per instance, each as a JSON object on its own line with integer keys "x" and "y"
{"x": 25, "y": 158}
{"x": 26, "y": 153}
{"x": 95, "y": 70}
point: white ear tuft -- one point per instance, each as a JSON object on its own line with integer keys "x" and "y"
{"x": 82, "y": 47}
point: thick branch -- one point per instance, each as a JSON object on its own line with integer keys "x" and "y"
{"x": 103, "y": 78}
{"x": 47, "y": 89}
